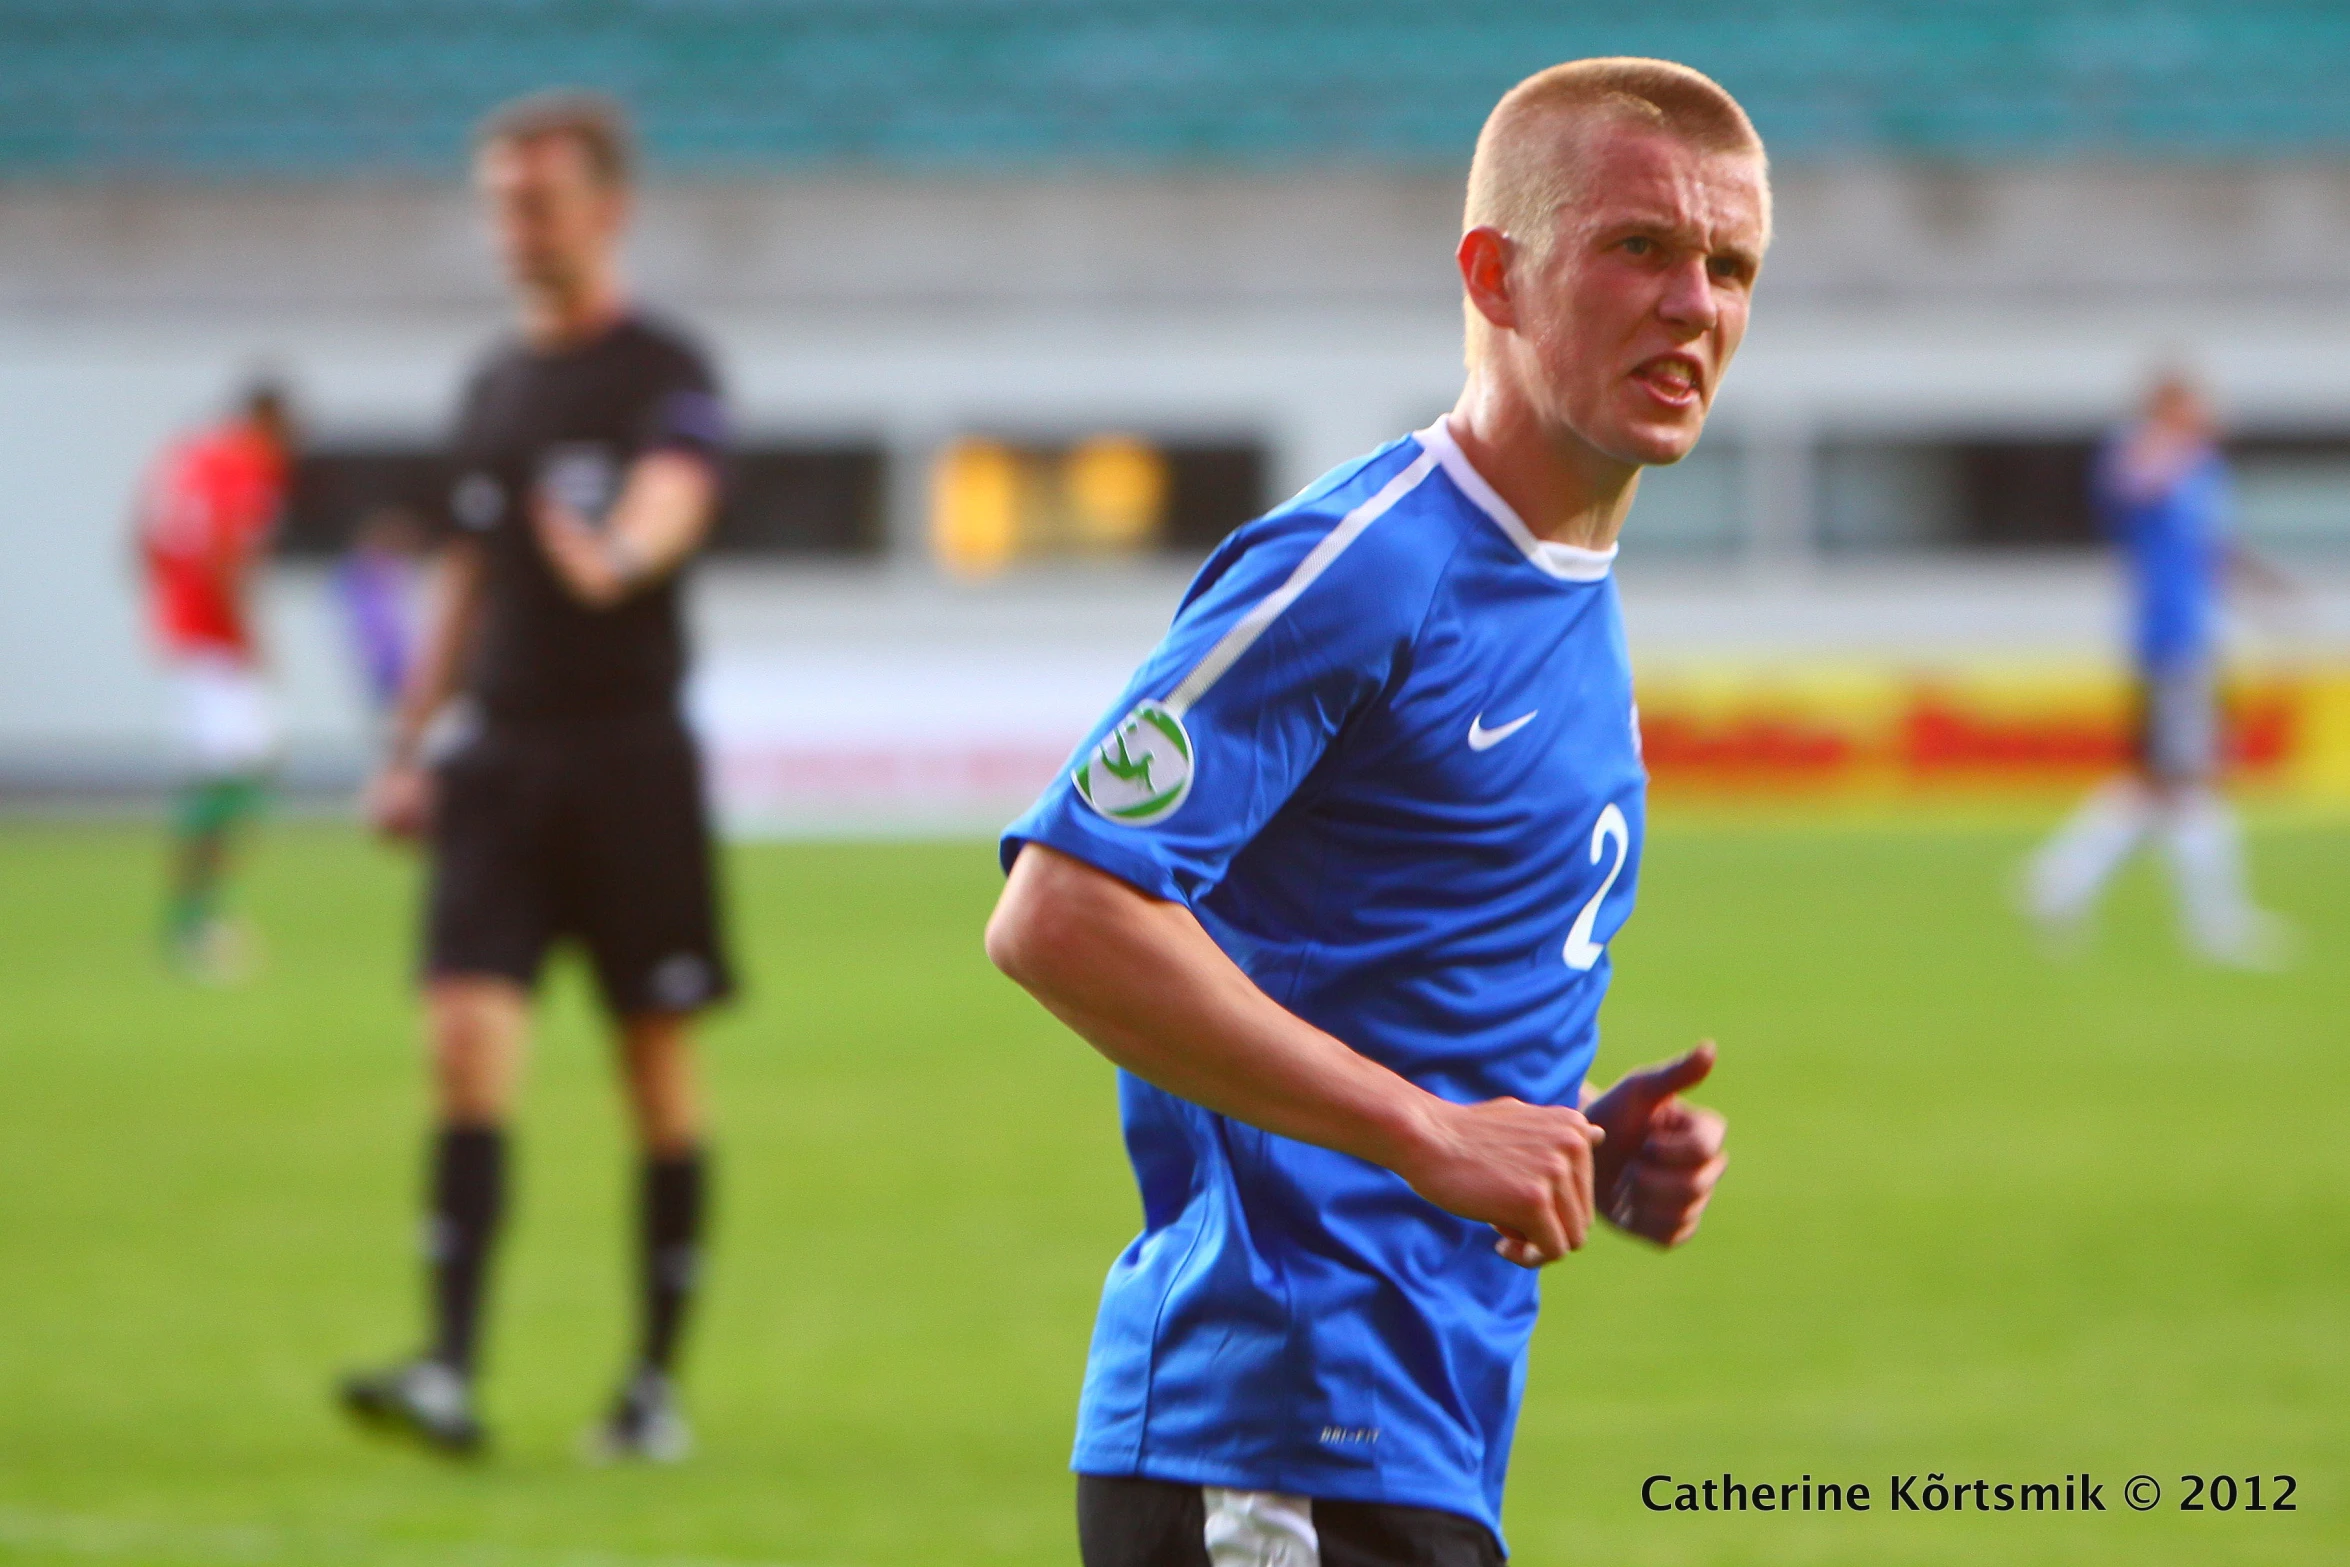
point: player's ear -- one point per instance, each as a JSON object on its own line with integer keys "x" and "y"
{"x": 1484, "y": 259}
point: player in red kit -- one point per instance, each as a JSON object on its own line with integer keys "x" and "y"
{"x": 205, "y": 518}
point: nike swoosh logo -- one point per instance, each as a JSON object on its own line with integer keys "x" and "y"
{"x": 1484, "y": 739}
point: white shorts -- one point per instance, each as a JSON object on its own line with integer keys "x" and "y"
{"x": 227, "y": 722}
{"x": 2179, "y": 724}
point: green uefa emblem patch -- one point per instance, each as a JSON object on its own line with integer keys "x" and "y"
{"x": 1141, "y": 771}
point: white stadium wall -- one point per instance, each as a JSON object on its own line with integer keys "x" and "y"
{"x": 1315, "y": 313}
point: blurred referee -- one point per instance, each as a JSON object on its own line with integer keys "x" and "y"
{"x": 538, "y": 749}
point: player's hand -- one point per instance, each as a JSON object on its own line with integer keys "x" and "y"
{"x": 1663, "y": 1155}
{"x": 398, "y": 801}
{"x": 1524, "y": 1169}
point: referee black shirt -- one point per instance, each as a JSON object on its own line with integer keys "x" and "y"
{"x": 572, "y": 421}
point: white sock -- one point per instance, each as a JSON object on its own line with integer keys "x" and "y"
{"x": 2072, "y": 868}
{"x": 2207, "y": 860}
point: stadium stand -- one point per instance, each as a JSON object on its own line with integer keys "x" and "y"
{"x": 920, "y": 231}
{"x": 111, "y": 88}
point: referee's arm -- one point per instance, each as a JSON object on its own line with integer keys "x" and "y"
{"x": 399, "y": 797}
{"x": 1144, "y": 983}
{"x": 662, "y": 515}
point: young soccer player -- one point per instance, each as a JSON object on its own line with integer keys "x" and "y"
{"x": 204, "y": 523}
{"x": 1334, "y": 886}
{"x": 564, "y": 799}
{"x": 2162, "y": 491}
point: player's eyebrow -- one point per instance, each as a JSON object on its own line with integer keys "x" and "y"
{"x": 1747, "y": 257}
{"x": 1674, "y": 227}
{"x": 1678, "y": 232}
{"x": 1671, "y": 221}
{"x": 1648, "y": 221}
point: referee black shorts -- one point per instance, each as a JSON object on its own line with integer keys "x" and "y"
{"x": 1124, "y": 1521}
{"x": 590, "y": 828}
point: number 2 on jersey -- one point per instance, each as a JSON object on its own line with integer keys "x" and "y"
{"x": 1582, "y": 951}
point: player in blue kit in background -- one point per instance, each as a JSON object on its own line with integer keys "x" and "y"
{"x": 1335, "y": 881}
{"x": 380, "y": 583}
{"x": 2161, "y": 490}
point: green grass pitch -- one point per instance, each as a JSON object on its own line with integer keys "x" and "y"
{"x": 1987, "y": 1216}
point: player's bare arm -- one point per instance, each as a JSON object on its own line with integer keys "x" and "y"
{"x": 2258, "y": 574}
{"x": 1145, "y": 984}
{"x": 399, "y": 798}
{"x": 1663, "y": 1155}
{"x": 664, "y": 511}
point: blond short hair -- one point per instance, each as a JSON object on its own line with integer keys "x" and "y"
{"x": 1518, "y": 179}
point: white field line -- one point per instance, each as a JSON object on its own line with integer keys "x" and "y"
{"x": 142, "y": 1540}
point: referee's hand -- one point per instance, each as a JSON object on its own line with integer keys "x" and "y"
{"x": 1524, "y": 1169}
{"x": 398, "y": 802}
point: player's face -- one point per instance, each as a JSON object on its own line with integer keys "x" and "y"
{"x": 555, "y": 222}
{"x": 2178, "y": 406}
{"x": 1635, "y": 310}
{"x": 275, "y": 422}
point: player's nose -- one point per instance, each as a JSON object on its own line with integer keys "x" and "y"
{"x": 1688, "y": 299}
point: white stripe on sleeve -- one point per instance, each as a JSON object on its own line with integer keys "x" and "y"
{"x": 1252, "y": 625}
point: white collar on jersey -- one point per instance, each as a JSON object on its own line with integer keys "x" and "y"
{"x": 1567, "y": 562}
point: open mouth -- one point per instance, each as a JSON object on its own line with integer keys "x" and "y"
{"x": 1674, "y": 379}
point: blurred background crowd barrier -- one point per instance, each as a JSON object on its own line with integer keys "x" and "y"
{"x": 1024, "y": 303}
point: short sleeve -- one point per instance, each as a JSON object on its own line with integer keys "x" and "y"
{"x": 1252, "y": 687}
{"x": 474, "y": 499}
{"x": 260, "y": 498}
{"x": 2220, "y": 499}
{"x": 683, "y": 409}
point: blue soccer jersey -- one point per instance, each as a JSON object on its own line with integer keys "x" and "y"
{"x": 1387, "y": 754}
{"x": 2175, "y": 540}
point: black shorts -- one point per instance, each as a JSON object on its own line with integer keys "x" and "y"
{"x": 594, "y": 829}
{"x": 1128, "y": 1522}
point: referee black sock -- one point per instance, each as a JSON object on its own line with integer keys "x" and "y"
{"x": 674, "y": 1197}
{"x": 468, "y": 1195}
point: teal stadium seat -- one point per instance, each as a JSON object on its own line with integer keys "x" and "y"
{"x": 235, "y": 88}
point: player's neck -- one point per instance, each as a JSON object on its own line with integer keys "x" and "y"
{"x": 1562, "y": 490}
{"x": 580, "y": 310}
